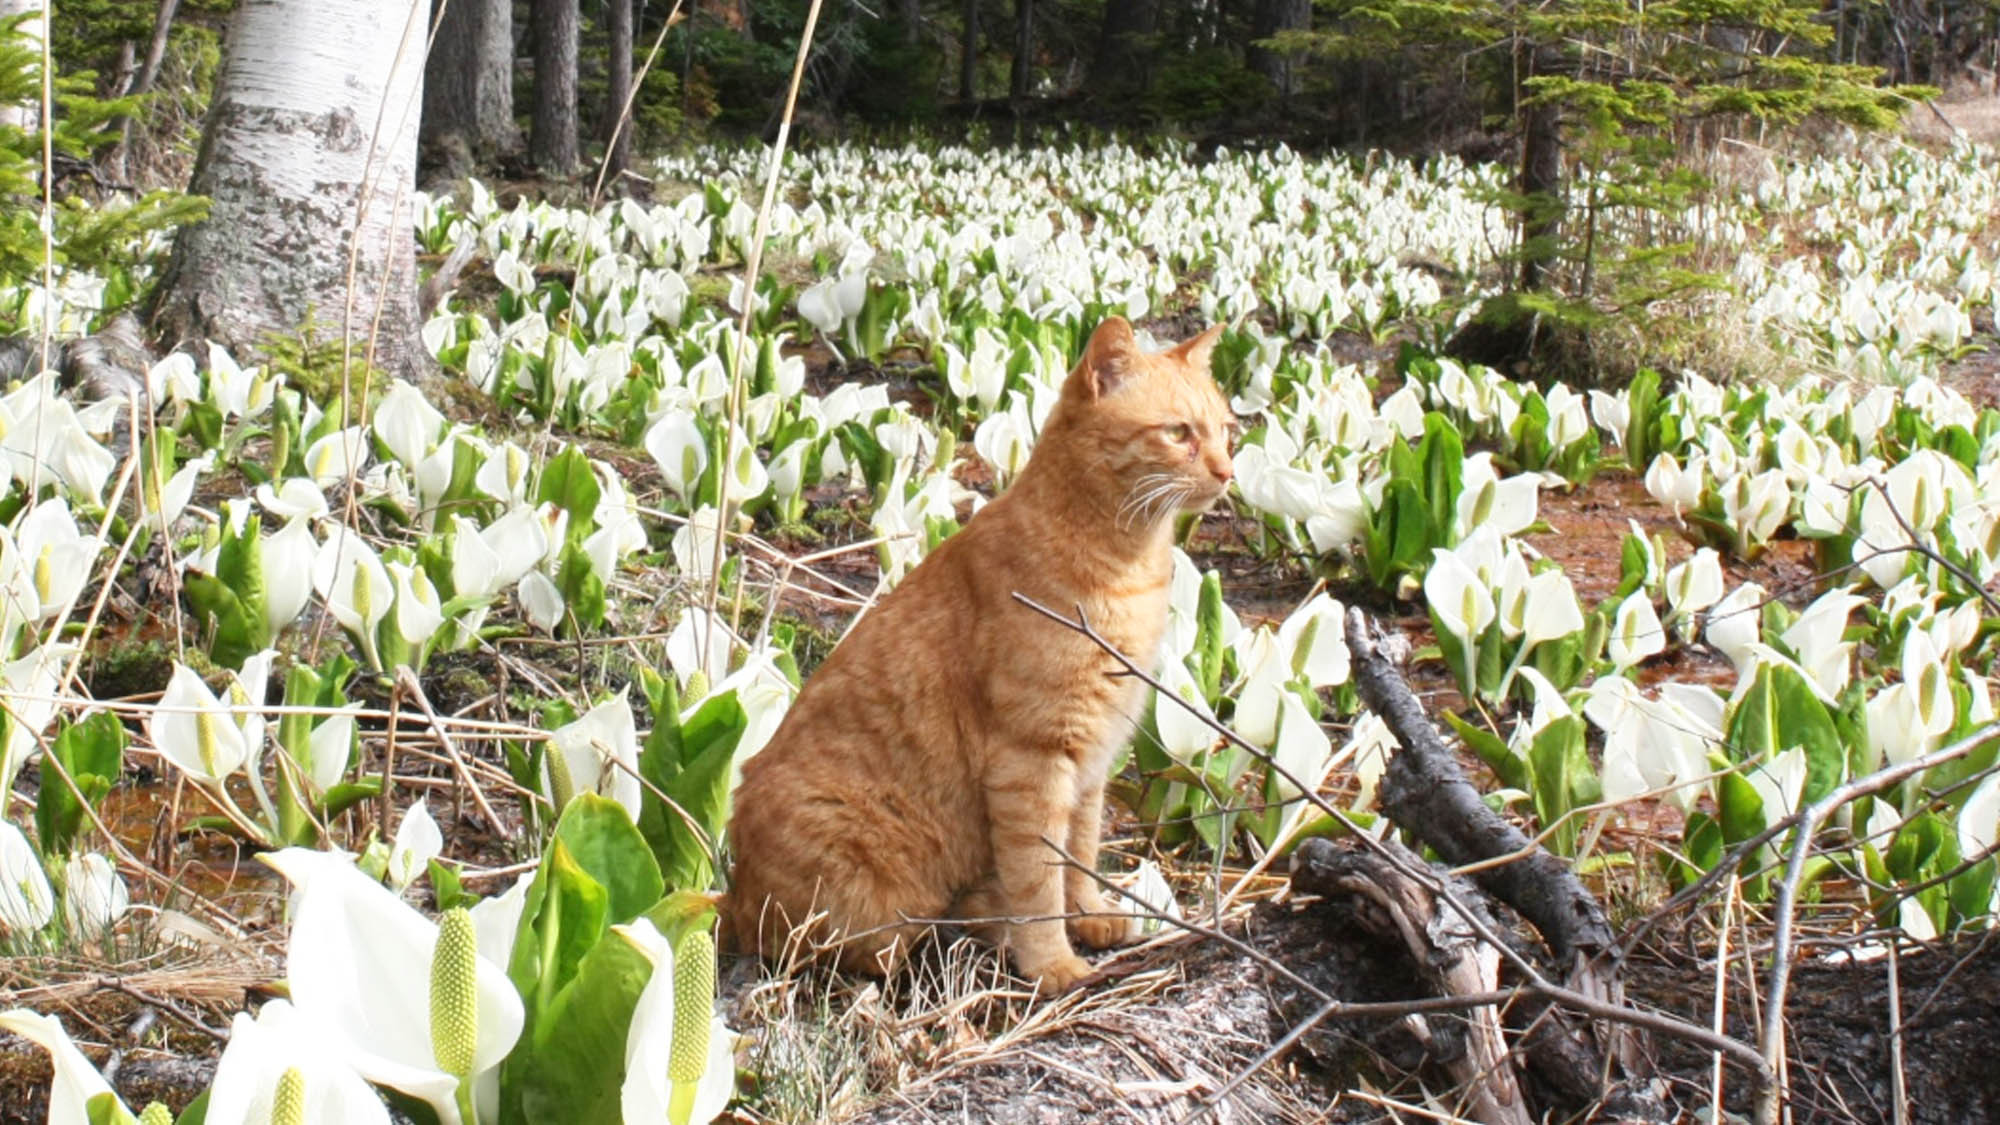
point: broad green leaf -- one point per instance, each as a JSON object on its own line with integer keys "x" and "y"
{"x": 1443, "y": 456}
{"x": 564, "y": 917}
{"x": 571, "y": 1068}
{"x": 1400, "y": 533}
{"x": 1741, "y": 809}
{"x": 1701, "y": 845}
{"x": 1208, "y": 635}
{"x": 1972, "y": 891}
{"x": 235, "y": 632}
{"x": 1780, "y": 712}
{"x": 582, "y": 588}
{"x": 691, "y": 767}
{"x": 602, "y": 840}
{"x": 1563, "y": 779}
{"x": 92, "y": 753}
{"x": 570, "y": 483}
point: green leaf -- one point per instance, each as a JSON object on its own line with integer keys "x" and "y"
{"x": 690, "y": 765}
{"x": 1972, "y": 890}
{"x": 607, "y": 846}
{"x": 239, "y": 562}
{"x": 1514, "y": 771}
{"x": 1563, "y": 779}
{"x": 1701, "y": 844}
{"x": 562, "y": 919}
{"x": 1920, "y": 840}
{"x": 105, "y": 1109}
{"x": 446, "y": 887}
{"x": 235, "y": 633}
{"x": 1400, "y": 533}
{"x": 572, "y": 1066}
{"x": 1443, "y": 456}
{"x": 345, "y": 796}
{"x": 1779, "y": 712}
{"x": 1741, "y": 809}
{"x": 92, "y": 753}
{"x": 570, "y": 483}
{"x": 582, "y": 589}
{"x": 1208, "y": 635}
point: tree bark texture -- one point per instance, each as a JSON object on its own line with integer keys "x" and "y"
{"x": 1541, "y": 178}
{"x": 1451, "y": 954}
{"x": 1125, "y": 46}
{"x": 1024, "y": 49}
{"x": 309, "y": 156}
{"x": 1269, "y": 18}
{"x": 469, "y": 78}
{"x": 968, "y": 53}
{"x": 617, "y": 137}
{"x": 1425, "y": 792}
{"x": 552, "y": 142}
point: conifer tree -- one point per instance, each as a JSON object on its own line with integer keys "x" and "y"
{"x": 1601, "y": 95}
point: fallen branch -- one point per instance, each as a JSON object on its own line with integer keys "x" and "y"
{"x": 1425, "y": 792}
{"x": 1446, "y": 949}
{"x": 1604, "y": 1008}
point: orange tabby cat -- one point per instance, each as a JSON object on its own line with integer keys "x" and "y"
{"x": 954, "y": 734}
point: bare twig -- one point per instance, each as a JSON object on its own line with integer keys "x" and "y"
{"x": 1772, "y": 1041}
{"x": 1899, "y": 1086}
{"x": 752, "y": 263}
{"x": 407, "y": 681}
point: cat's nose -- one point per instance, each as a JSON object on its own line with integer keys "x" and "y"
{"x": 1222, "y": 468}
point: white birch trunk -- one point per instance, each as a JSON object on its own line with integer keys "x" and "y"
{"x": 309, "y": 155}
{"x": 27, "y": 116}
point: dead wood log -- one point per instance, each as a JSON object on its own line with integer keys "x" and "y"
{"x": 1424, "y": 792}
{"x": 1450, "y": 952}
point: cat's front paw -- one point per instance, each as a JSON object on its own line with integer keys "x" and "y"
{"x": 1057, "y": 976}
{"x": 1101, "y": 931}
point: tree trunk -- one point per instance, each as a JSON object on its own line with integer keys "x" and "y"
{"x": 617, "y": 132}
{"x": 140, "y": 81}
{"x": 27, "y": 115}
{"x": 1125, "y": 46}
{"x": 1540, "y": 181}
{"x": 469, "y": 79}
{"x": 912, "y": 13}
{"x": 1269, "y": 18}
{"x": 968, "y": 53}
{"x": 552, "y": 143}
{"x": 309, "y": 229}
{"x": 1024, "y": 49}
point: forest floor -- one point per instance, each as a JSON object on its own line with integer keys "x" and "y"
{"x": 1174, "y": 1022}
{"x": 1971, "y": 114}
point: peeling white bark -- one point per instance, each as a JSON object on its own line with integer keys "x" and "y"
{"x": 309, "y": 156}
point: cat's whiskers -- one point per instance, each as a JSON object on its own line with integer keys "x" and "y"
{"x": 1140, "y": 489}
{"x": 1171, "y": 502}
{"x": 1136, "y": 509}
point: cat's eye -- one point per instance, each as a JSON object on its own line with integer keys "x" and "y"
{"x": 1177, "y": 432}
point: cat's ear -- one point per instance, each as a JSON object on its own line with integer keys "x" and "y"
{"x": 1195, "y": 352}
{"x": 1110, "y": 359}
